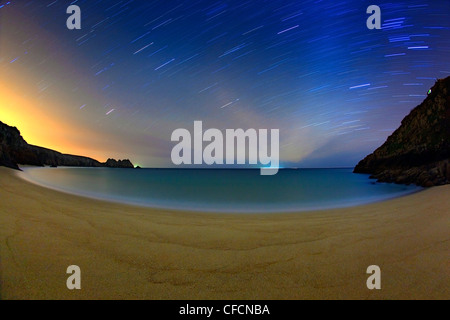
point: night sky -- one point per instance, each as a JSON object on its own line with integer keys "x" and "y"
{"x": 137, "y": 70}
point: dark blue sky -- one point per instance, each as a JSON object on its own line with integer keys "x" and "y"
{"x": 137, "y": 70}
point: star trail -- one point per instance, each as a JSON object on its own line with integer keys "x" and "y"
{"x": 137, "y": 70}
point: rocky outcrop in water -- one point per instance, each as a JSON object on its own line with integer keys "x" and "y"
{"x": 15, "y": 150}
{"x": 418, "y": 152}
{"x": 112, "y": 163}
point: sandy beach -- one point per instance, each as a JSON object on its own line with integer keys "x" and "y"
{"x": 127, "y": 252}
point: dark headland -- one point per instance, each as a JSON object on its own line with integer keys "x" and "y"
{"x": 418, "y": 152}
{"x": 14, "y": 150}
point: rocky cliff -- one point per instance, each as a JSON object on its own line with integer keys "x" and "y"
{"x": 15, "y": 150}
{"x": 112, "y": 163}
{"x": 418, "y": 152}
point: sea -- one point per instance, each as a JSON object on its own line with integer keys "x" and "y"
{"x": 221, "y": 190}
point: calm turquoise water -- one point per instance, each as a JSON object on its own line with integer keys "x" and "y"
{"x": 238, "y": 190}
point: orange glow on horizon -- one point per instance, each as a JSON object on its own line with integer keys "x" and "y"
{"x": 39, "y": 128}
